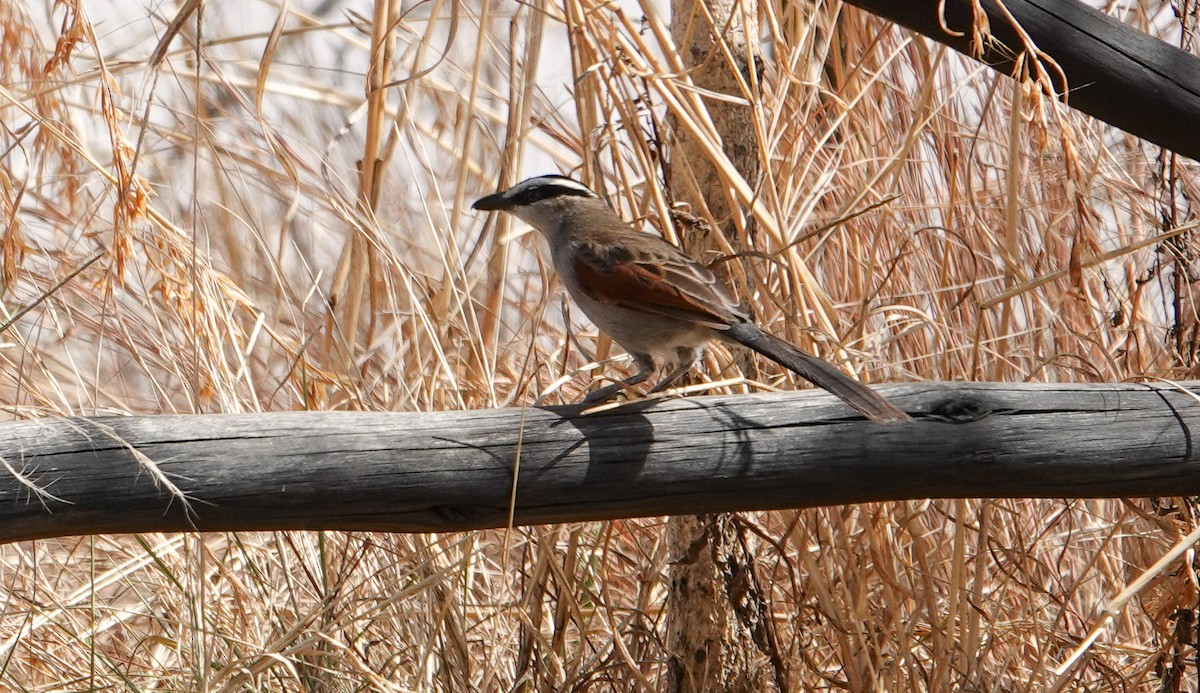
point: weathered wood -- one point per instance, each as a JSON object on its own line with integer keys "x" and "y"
{"x": 1116, "y": 73}
{"x": 454, "y": 470}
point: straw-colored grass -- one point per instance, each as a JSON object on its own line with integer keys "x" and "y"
{"x": 208, "y": 202}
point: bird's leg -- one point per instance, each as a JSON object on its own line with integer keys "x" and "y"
{"x": 687, "y": 358}
{"x": 645, "y": 368}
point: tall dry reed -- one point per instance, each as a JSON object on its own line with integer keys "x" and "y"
{"x": 243, "y": 208}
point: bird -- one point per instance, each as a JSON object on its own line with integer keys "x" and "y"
{"x": 660, "y": 305}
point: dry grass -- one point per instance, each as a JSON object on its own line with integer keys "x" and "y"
{"x": 214, "y": 187}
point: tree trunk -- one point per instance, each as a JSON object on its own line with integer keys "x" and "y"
{"x": 711, "y": 648}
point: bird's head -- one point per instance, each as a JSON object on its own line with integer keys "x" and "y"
{"x": 546, "y": 202}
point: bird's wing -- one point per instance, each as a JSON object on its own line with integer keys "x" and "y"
{"x": 657, "y": 280}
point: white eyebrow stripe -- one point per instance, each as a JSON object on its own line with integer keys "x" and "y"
{"x": 552, "y": 182}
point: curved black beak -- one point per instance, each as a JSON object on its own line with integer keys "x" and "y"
{"x": 492, "y": 202}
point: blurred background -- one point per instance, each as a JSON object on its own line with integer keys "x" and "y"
{"x": 241, "y": 207}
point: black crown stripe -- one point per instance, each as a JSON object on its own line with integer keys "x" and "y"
{"x": 547, "y": 189}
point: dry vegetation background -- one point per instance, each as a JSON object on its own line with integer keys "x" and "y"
{"x": 180, "y": 213}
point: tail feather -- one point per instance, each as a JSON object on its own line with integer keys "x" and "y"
{"x": 818, "y": 371}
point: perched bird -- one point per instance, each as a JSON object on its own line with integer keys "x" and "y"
{"x": 651, "y": 298}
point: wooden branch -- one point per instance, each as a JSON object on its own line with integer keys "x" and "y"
{"x": 454, "y": 470}
{"x": 1114, "y": 72}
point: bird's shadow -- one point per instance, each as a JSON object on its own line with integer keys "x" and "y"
{"x": 621, "y": 440}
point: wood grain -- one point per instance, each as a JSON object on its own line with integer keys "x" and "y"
{"x": 455, "y": 470}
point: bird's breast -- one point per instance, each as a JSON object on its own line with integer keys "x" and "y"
{"x": 659, "y": 336}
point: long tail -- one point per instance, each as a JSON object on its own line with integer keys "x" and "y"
{"x": 818, "y": 371}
